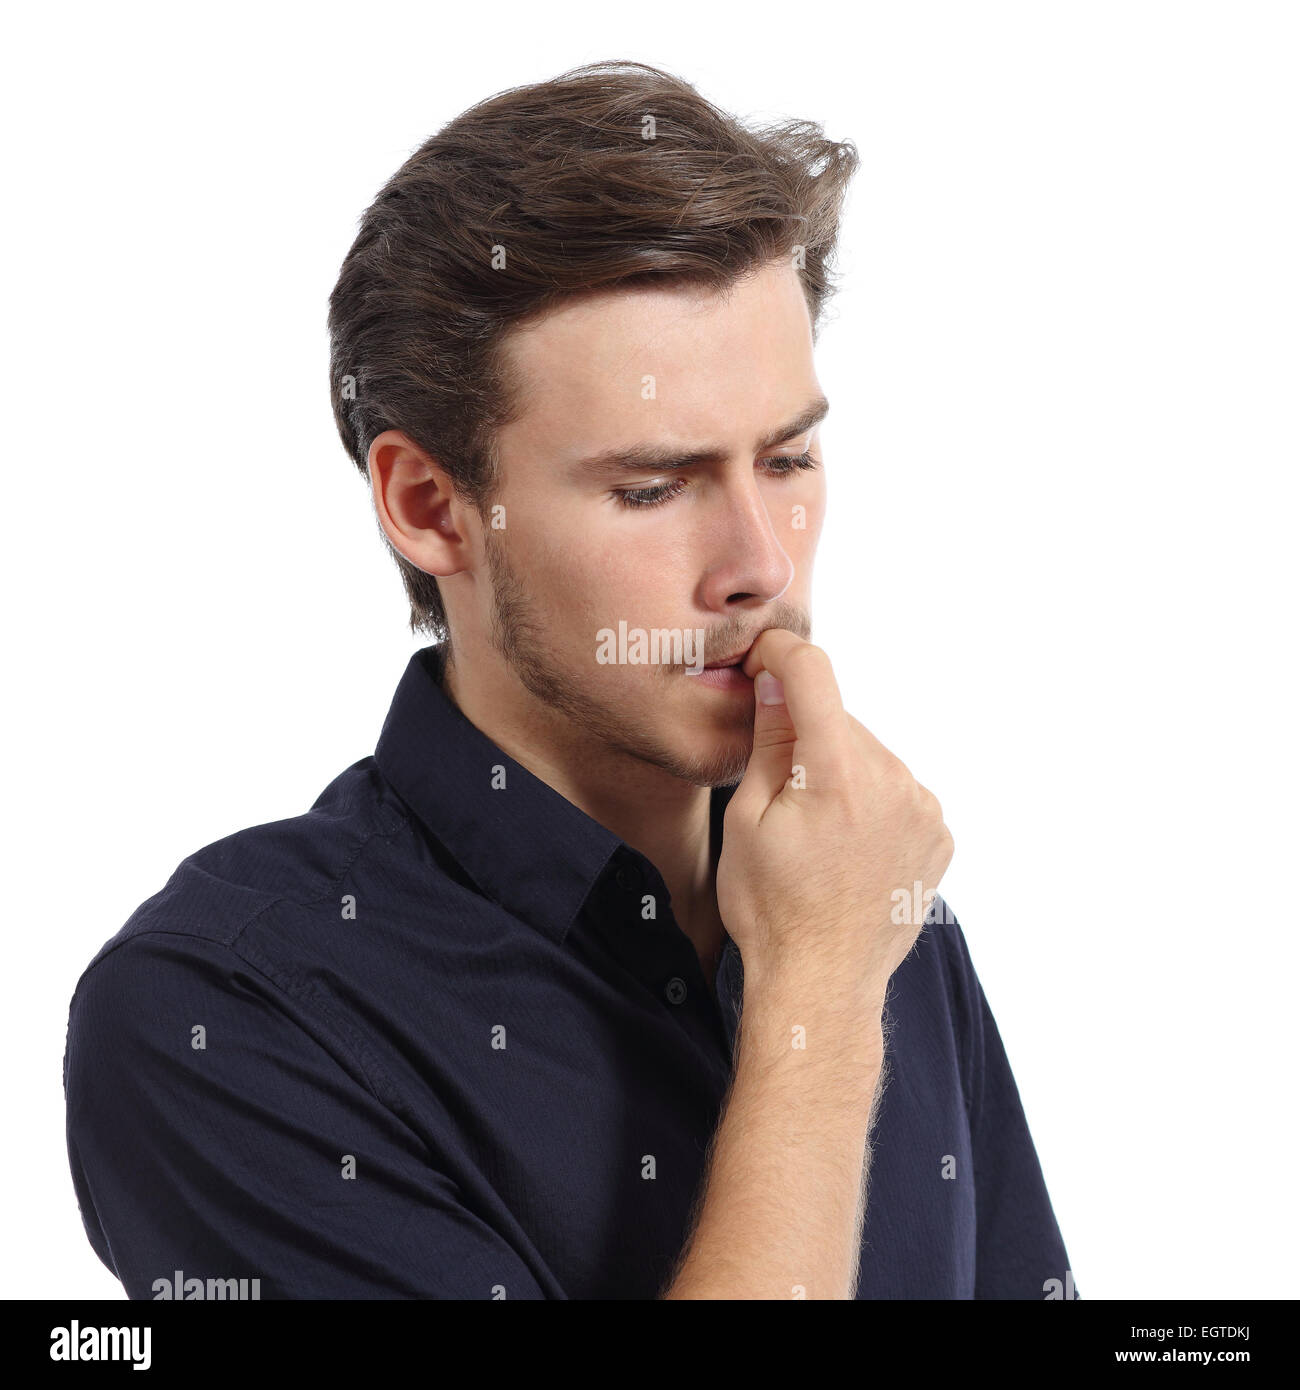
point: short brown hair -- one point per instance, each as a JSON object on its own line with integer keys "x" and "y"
{"x": 612, "y": 174}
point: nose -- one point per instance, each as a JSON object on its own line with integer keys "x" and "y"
{"x": 750, "y": 566}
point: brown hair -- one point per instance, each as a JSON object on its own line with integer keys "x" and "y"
{"x": 612, "y": 174}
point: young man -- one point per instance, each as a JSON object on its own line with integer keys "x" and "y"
{"x": 606, "y": 976}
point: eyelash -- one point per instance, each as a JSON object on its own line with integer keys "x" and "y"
{"x": 638, "y": 498}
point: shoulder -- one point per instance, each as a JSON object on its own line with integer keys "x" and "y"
{"x": 218, "y": 895}
{"x": 234, "y": 930}
{"x": 231, "y": 948}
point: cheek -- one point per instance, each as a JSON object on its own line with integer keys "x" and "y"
{"x": 815, "y": 510}
{"x": 551, "y": 559}
{"x": 798, "y": 523}
{"x": 583, "y": 585}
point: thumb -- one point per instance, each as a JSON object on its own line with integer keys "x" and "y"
{"x": 772, "y": 759}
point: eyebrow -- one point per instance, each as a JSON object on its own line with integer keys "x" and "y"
{"x": 663, "y": 458}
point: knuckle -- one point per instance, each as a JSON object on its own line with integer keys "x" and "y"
{"x": 806, "y": 655}
{"x": 896, "y": 776}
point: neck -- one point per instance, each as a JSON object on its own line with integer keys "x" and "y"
{"x": 661, "y": 816}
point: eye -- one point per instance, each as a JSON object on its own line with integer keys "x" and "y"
{"x": 649, "y": 496}
{"x": 791, "y": 463}
{"x": 780, "y": 465}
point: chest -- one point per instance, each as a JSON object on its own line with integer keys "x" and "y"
{"x": 576, "y": 1116}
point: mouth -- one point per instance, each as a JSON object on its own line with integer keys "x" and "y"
{"x": 727, "y": 674}
{"x": 728, "y": 661}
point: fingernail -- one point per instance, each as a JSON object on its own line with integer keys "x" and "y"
{"x": 768, "y": 689}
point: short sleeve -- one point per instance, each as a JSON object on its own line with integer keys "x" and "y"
{"x": 212, "y": 1136}
{"x": 1019, "y": 1249}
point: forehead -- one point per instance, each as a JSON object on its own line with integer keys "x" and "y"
{"x": 676, "y": 364}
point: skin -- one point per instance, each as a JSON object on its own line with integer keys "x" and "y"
{"x": 636, "y": 747}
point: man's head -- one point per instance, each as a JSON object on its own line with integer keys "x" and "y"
{"x": 567, "y": 272}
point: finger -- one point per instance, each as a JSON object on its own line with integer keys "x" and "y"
{"x": 807, "y": 728}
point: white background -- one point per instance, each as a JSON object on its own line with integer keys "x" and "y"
{"x": 1058, "y": 577}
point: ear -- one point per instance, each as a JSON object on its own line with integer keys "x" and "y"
{"x": 415, "y": 504}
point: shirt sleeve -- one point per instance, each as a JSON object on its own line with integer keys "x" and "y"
{"x": 212, "y": 1136}
{"x": 1018, "y": 1244}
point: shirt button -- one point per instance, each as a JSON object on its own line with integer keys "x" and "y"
{"x": 675, "y": 991}
{"x": 627, "y": 878}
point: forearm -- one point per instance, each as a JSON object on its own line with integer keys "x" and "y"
{"x": 785, "y": 1191}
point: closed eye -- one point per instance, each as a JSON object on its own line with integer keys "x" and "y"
{"x": 779, "y": 465}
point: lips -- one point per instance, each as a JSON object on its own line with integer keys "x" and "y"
{"x": 729, "y": 660}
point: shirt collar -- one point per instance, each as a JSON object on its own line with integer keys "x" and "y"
{"x": 527, "y": 847}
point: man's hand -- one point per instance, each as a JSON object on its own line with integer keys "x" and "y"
{"x": 825, "y": 826}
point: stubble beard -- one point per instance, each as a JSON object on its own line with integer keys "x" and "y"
{"x": 519, "y": 634}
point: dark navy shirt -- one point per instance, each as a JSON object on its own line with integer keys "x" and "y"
{"x": 440, "y": 1037}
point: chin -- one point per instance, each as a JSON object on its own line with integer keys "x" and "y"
{"x": 719, "y": 762}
